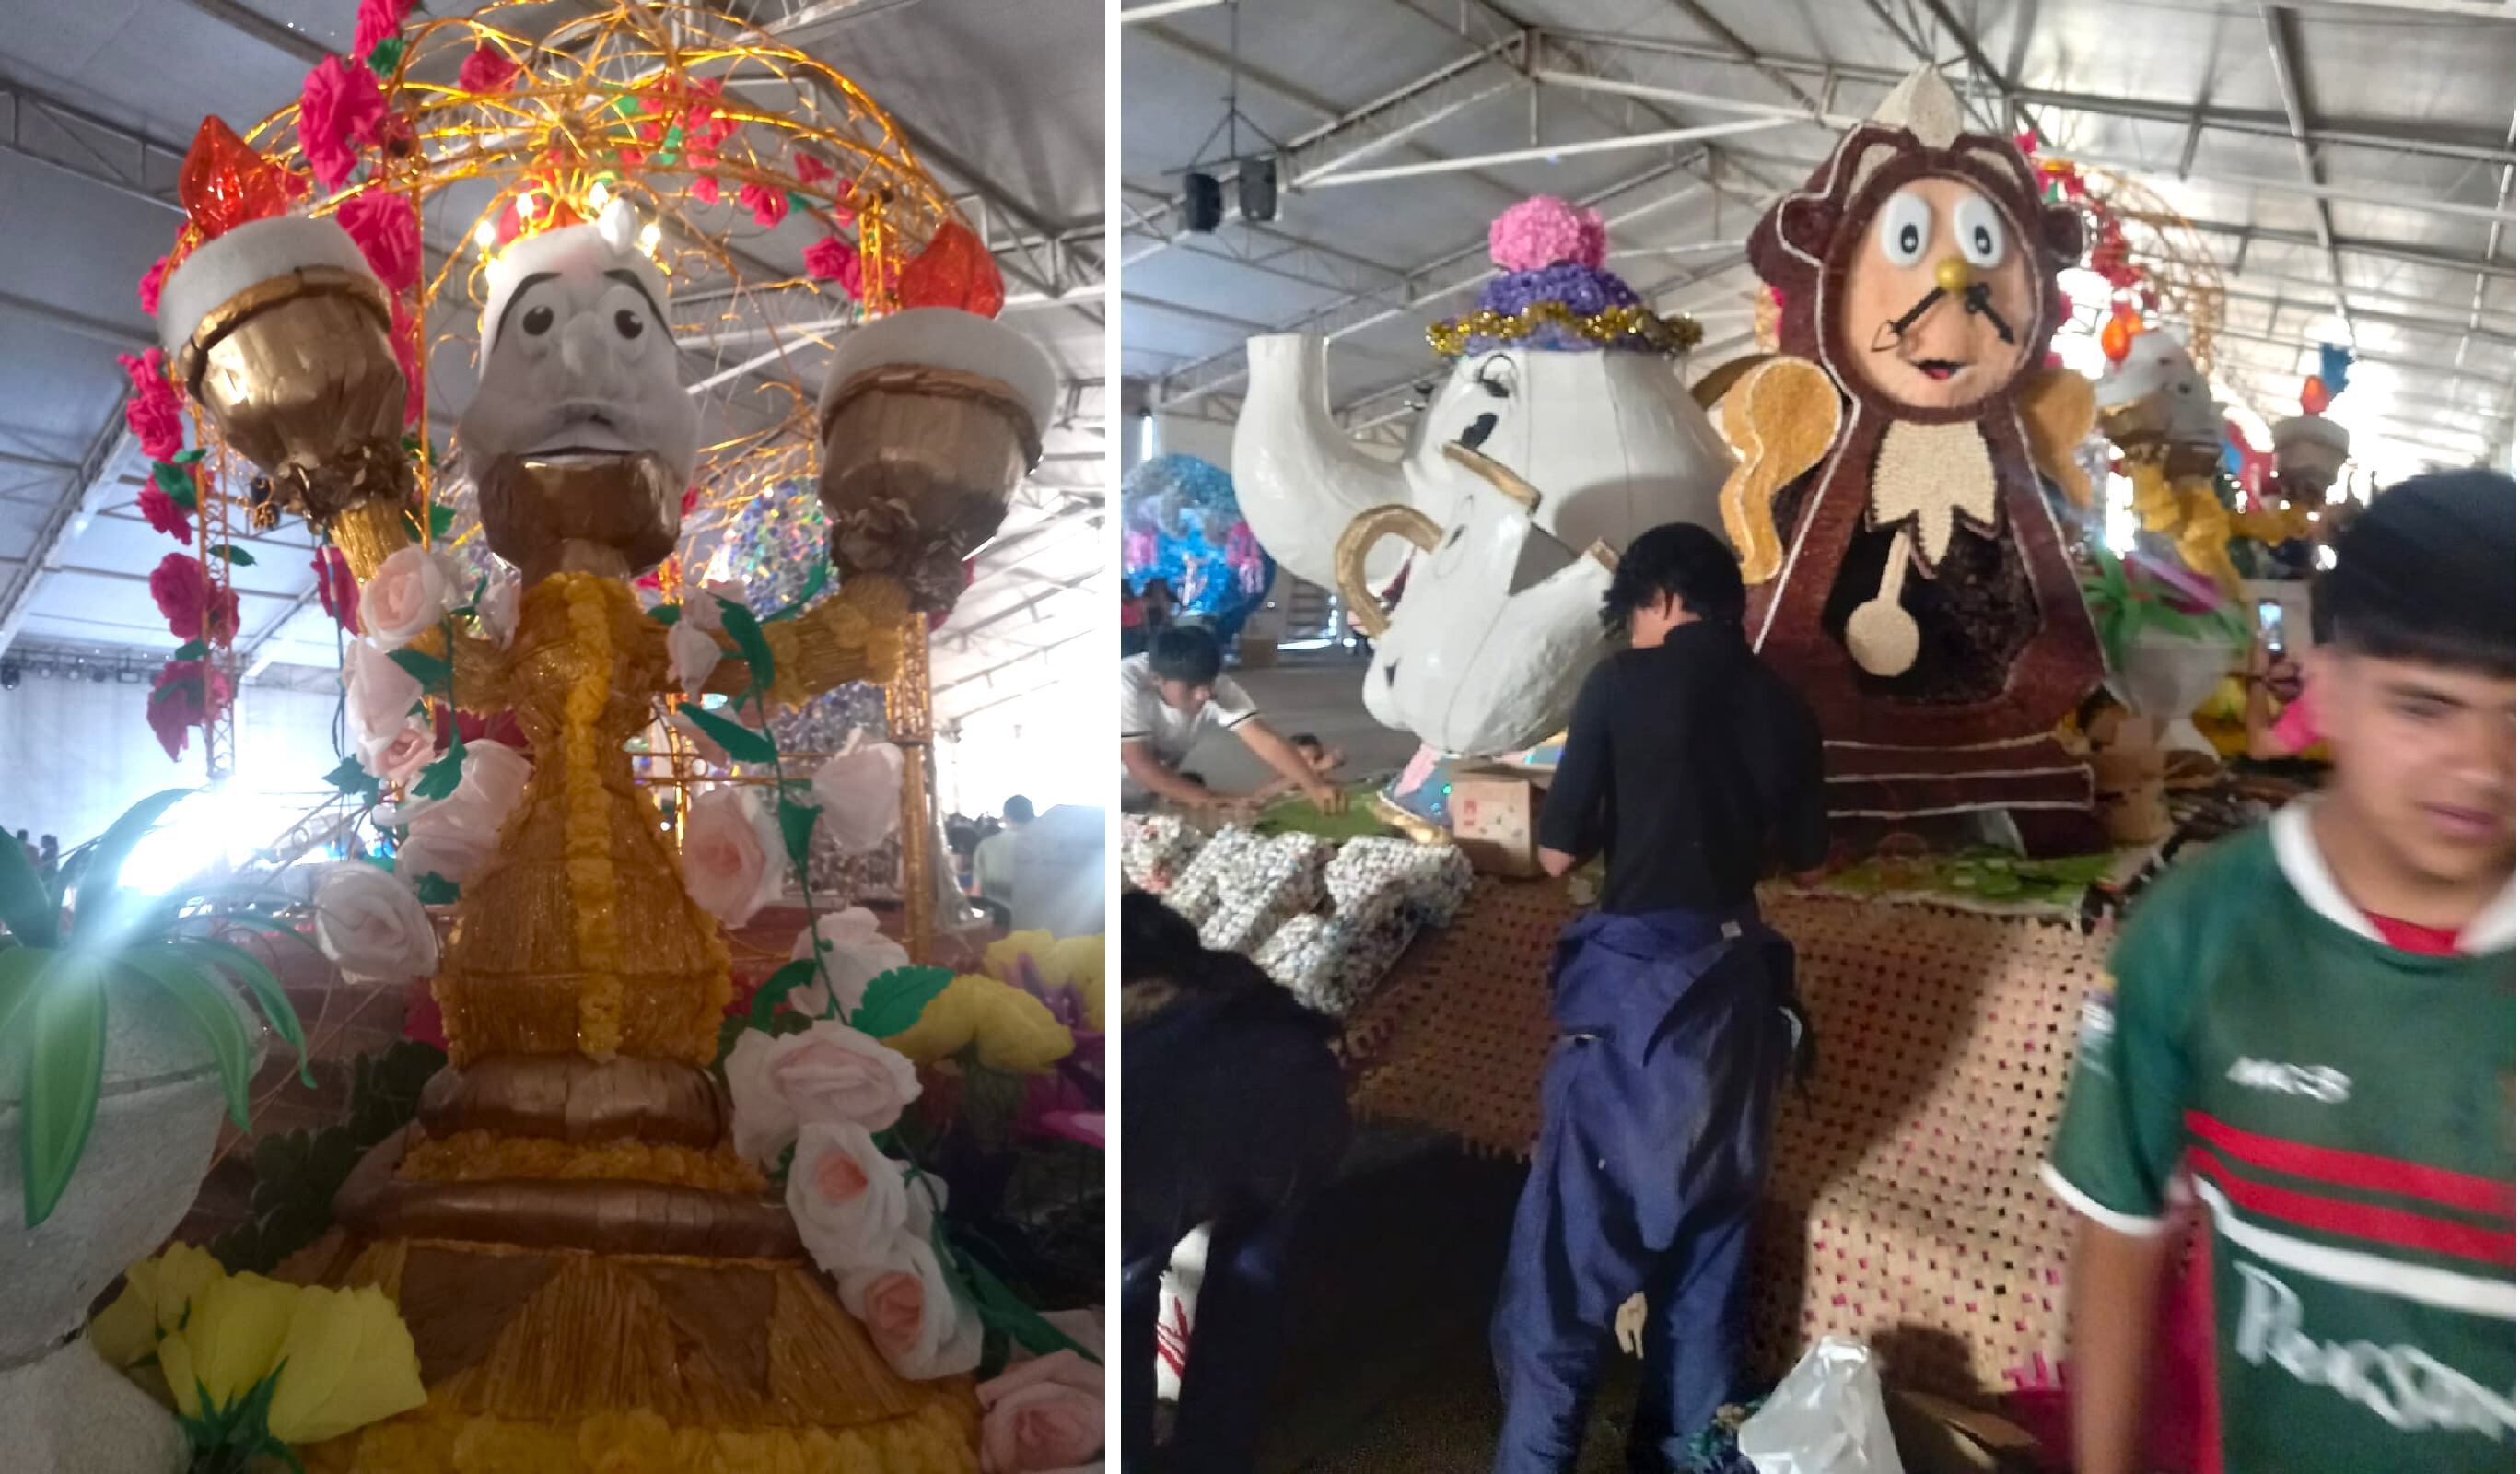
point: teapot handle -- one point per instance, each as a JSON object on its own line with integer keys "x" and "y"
{"x": 1357, "y": 538}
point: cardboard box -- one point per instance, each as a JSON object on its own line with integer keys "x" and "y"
{"x": 1496, "y": 816}
{"x": 1936, "y": 1436}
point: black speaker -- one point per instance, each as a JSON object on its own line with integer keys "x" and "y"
{"x": 1258, "y": 189}
{"x": 1202, "y": 202}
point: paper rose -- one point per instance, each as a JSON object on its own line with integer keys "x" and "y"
{"x": 487, "y": 70}
{"x": 421, "y": 854}
{"x": 692, "y": 655}
{"x": 184, "y": 696}
{"x": 163, "y": 516}
{"x": 811, "y": 169}
{"x": 378, "y": 20}
{"x": 156, "y": 1296}
{"x": 385, "y": 227}
{"x": 846, "y": 1196}
{"x": 732, "y": 855}
{"x": 410, "y": 592}
{"x": 154, "y": 414}
{"x": 228, "y": 1341}
{"x": 858, "y": 952}
{"x": 833, "y": 260}
{"x": 371, "y": 925}
{"x": 497, "y": 607}
{"x": 336, "y": 588}
{"x": 347, "y": 1361}
{"x": 1042, "y": 1416}
{"x": 830, "y": 1074}
{"x": 402, "y": 756}
{"x": 860, "y": 791}
{"x": 464, "y": 826}
{"x": 1543, "y": 231}
{"x": 769, "y": 206}
{"x": 705, "y": 189}
{"x": 910, "y": 1312}
{"x": 341, "y": 111}
{"x": 152, "y": 282}
{"x": 701, "y": 609}
{"x": 194, "y": 609}
{"x": 381, "y": 695}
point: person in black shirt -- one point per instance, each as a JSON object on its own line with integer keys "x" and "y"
{"x": 1699, "y": 770}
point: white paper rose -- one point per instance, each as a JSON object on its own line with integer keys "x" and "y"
{"x": 846, "y": 1197}
{"x": 372, "y": 927}
{"x": 860, "y": 791}
{"x": 694, "y": 653}
{"x": 402, "y": 758}
{"x": 701, "y": 611}
{"x": 859, "y": 952}
{"x": 497, "y": 608}
{"x": 464, "y": 826}
{"x": 829, "y": 1074}
{"x": 910, "y": 1313}
{"x": 1042, "y": 1416}
{"x": 420, "y": 853}
{"x": 409, "y": 593}
{"x": 733, "y": 862}
{"x": 379, "y": 697}
{"x": 703, "y": 746}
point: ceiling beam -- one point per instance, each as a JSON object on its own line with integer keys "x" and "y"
{"x": 79, "y": 503}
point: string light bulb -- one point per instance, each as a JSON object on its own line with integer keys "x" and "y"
{"x": 600, "y": 195}
{"x": 650, "y": 235}
{"x": 485, "y": 235}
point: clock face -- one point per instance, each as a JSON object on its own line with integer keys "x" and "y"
{"x": 1940, "y": 309}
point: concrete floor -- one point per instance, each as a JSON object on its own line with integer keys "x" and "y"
{"x": 1308, "y": 694}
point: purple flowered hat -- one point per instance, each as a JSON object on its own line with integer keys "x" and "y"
{"x": 1553, "y": 291}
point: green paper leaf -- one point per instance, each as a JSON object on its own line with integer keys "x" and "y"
{"x": 798, "y": 201}
{"x": 776, "y": 988}
{"x": 189, "y": 457}
{"x": 433, "y": 674}
{"x": 192, "y": 649}
{"x": 894, "y": 1000}
{"x": 351, "y": 778}
{"x": 667, "y": 615}
{"x": 814, "y": 583}
{"x": 171, "y": 479}
{"x": 441, "y": 521}
{"x": 25, "y": 904}
{"x": 236, "y": 557}
{"x": 441, "y": 777}
{"x": 65, "y": 1036}
{"x": 252, "y": 974}
{"x": 385, "y": 55}
{"x": 435, "y": 890}
{"x": 796, "y": 827}
{"x": 748, "y": 639}
{"x": 186, "y": 986}
{"x": 741, "y": 743}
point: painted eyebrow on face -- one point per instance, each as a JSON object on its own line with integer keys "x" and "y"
{"x": 631, "y": 280}
{"x": 516, "y": 297}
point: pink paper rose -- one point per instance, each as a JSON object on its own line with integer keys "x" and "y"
{"x": 194, "y": 609}
{"x": 705, "y": 189}
{"x": 810, "y": 169}
{"x": 402, "y": 756}
{"x": 830, "y": 1074}
{"x": 380, "y": 695}
{"x": 910, "y": 1311}
{"x": 378, "y": 20}
{"x": 1041, "y": 1415}
{"x": 152, "y": 282}
{"x": 833, "y": 260}
{"x": 410, "y": 593}
{"x": 846, "y": 1196}
{"x": 464, "y": 826}
{"x": 164, "y": 516}
{"x": 860, "y": 790}
{"x": 341, "y": 111}
{"x": 769, "y": 206}
{"x": 487, "y": 70}
{"x": 153, "y": 413}
{"x": 387, "y": 230}
{"x": 732, "y": 856}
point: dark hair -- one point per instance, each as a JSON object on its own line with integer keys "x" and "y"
{"x": 1186, "y": 652}
{"x": 1680, "y": 559}
{"x": 2424, "y": 574}
{"x": 1018, "y": 810}
{"x": 1156, "y": 942}
{"x": 1306, "y": 739}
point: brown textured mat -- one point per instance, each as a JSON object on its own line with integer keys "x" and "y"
{"x": 1905, "y": 1206}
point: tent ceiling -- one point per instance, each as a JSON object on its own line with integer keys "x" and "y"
{"x": 1001, "y": 99}
{"x": 2394, "y": 204}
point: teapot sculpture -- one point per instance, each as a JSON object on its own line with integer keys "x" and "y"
{"x": 1564, "y": 387}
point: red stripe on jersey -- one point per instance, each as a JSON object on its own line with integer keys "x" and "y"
{"x": 2388, "y": 1226}
{"x": 2361, "y": 1170}
{"x": 2209, "y": 1423}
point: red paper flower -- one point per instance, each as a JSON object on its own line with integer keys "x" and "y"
{"x": 378, "y": 20}
{"x": 194, "y": 609}
{"x": 769, "y": 206}
{"x": 705, "y": 189}
{"x": 164, "y": 516}
{"x": 488, "y": 71}
{"x": 810, "y": 169}
{"x": 186, "y": 693}
{"x": 833, "y": 260}
{"x": 691, "y": 498}
{"x": 405, "y": 348}
{"x": 652, "y": 131}
{"x": 386, "y": 229}
{"x": 631, "y": 158}
{"x": 341, "y": 110}
{"x": 336, "y": 588}
{"x": 152, "y": 282}
{"x": 153, "y": 413}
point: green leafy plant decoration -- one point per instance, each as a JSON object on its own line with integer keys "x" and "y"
{"x": 2125, "y": 603}
{"x": 53, "y": 1000}
{"x": 297, "y": 1175}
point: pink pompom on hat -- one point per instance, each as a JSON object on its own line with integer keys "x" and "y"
{"x": 1555, "y": 292}
{"x": 1542, "y": 231}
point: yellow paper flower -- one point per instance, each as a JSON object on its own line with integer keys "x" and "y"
{"x": 945, "y": 1026}
{"x": 347, "y": 1360}
{"x": 1017, "y": 1032}
{"x": 156, "y": 1293}
{"x": 229, "y": 1341}
{"x": 1079, "y": 959}
{"x": 999, "y": 961}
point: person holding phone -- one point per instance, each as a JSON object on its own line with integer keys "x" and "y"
{"x": 2280, "y": 715}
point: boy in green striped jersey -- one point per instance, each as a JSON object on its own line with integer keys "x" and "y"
{"x": 2312, "y": 1037}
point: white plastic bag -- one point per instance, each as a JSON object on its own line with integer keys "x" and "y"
{"x": 1826, "y": 1417}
